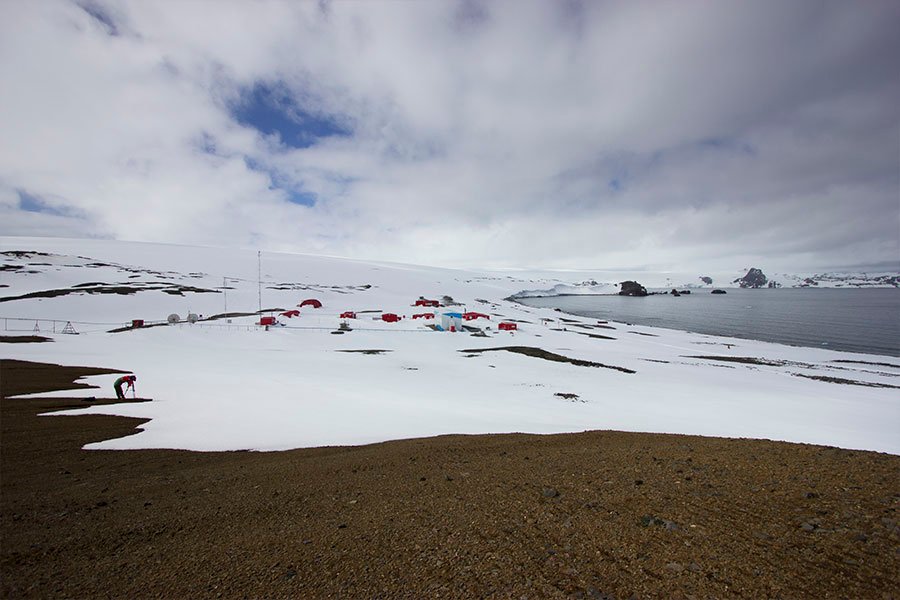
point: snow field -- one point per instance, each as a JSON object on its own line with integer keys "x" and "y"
{"x": 221, "y": 387}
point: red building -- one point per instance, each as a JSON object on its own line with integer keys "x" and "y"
{"x": 471, "y": 316}
{"x": 424, "y": 316}
{"x": 425, "y": 302}
{"x": 507, "y": 326}
{"x": 390, "y": 318}
{"x": 348, "y": 314}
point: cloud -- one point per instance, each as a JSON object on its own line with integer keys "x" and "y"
{"x": 570, "y": 134}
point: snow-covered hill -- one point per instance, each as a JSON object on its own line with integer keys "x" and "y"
{"x": 226, "y": 383}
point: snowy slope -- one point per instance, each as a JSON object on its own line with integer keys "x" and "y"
{"x": 229, "y": 384}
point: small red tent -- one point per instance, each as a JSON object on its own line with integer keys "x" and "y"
{"x": 310, "y": 302}
{"x": 390, "y": 318}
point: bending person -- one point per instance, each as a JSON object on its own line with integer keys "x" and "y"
{"x": 128, "y": 381}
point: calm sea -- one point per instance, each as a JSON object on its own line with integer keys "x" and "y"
{"x": 855, "y": 320}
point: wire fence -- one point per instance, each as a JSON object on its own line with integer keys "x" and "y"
{"x": 38, "y": 326}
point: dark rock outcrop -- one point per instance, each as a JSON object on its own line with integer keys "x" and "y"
{"x": 718, "y": 292}
{"x": 632, "y": 288}
{"x": 675, "y": 293}
{"x": 706, "y": 280}
{"x": 753, "y": 279}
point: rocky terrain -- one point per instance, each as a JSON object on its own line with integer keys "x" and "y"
{"x": 600, "y": 514}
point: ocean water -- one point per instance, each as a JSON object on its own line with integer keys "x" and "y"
{"x": 853, "y": 320}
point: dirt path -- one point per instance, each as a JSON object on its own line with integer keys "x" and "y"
{"x": 593, "y": 515}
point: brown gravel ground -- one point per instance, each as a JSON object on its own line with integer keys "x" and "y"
{"x": 601, "y": 514}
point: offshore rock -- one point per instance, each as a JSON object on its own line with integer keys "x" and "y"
{"x": 632, "y": 288}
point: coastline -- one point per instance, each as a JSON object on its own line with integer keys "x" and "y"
{"x": 709, "y": 327}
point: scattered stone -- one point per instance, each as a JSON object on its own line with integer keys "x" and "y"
{"x": 550, "y": 493}
{"x": 694, "y": 567}
{"x": 810, "y": 495}
{"x": 809, "y": 527}
{"x": 675, "y": 567}
{"x": 638, "y": 482}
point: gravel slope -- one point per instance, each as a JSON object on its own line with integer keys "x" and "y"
{"x": 595, "y": 515}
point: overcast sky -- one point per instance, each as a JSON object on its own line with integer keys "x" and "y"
{"x": 691, "y": 136}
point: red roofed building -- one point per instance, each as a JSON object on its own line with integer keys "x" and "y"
{"x": 310, "y": 302}
{"x": 424, "y": 316}
{"x": 471, "y": 316}
{"x": 390, "y": 318}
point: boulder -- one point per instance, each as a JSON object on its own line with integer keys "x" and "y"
{"x": 718, "y": 292}
{"x": 632, "y": 288}
{"x": 706, "y": 280}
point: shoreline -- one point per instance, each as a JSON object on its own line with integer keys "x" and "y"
{"x": 736, "y": 336}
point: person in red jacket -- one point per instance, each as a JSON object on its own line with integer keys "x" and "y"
{"x": 128, "y": 381}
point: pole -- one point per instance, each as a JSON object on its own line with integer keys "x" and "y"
{"x": 259, "y": 277}
{"x": 225, "y": 292}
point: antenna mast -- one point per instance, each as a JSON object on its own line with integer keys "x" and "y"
{"x": 259, "y": 277}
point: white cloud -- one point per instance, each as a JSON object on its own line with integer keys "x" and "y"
{"x": 509, "y": 133}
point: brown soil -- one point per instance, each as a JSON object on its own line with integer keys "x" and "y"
{"x": 594, "y": 515}
{"x": 23, "y": 339}
{"x": 546, "y": 355}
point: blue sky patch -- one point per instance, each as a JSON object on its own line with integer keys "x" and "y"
{"x": 31, "y": 203}
{"x": 272, "y": 110}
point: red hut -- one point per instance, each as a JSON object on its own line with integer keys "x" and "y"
{"x": 426, "y": 302}
{"x": 471, "y": 316}
{"x": 290, "y": 313}
{"x": 424, "y": 316}
{"x": 507, "y": 326}
{"x": 267, "y": 320}
{"x": 390, "y": 318}
{"x": 310, "y": 302}
{"x": 348, "y": 314}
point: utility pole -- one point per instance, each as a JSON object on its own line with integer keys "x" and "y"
{"x": 259, "y": 277}
{"x": 225, "y": 292}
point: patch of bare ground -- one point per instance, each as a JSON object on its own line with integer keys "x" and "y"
{"x": 551, "y": 356}
{"x": 597, "y": 336}
{"x": 23, "y": 339}
{"x": 843, "y": 381}
{"x": 590, "y": 515}
{"x": 864, "y": 362}
{"x": 122, "y": 290}
{"x": 747, "y": 360}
